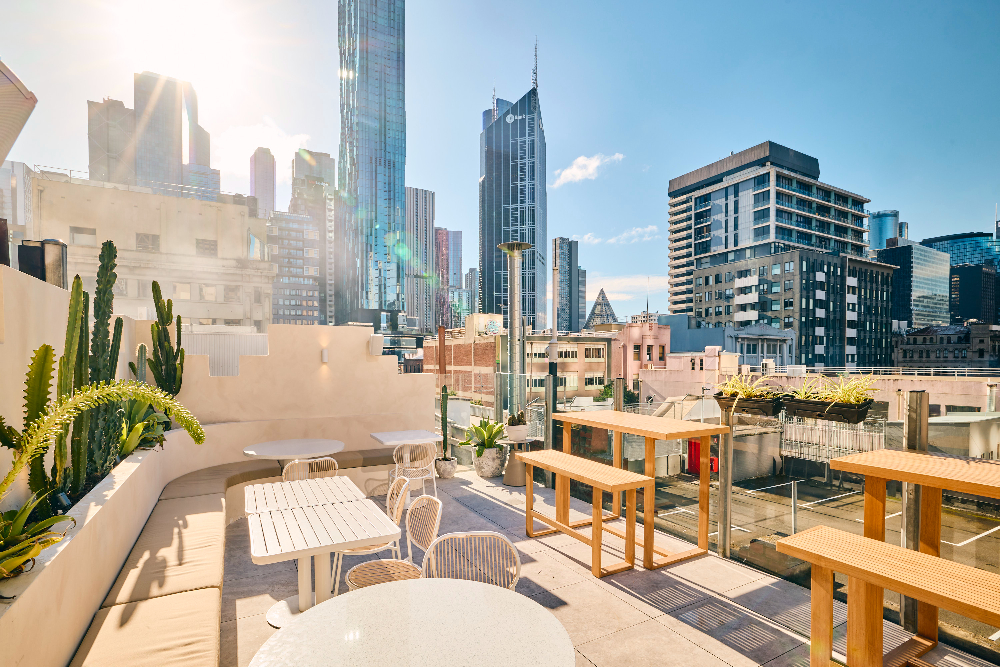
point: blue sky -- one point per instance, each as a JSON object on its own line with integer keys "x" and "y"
{"x": 898, "y": 101}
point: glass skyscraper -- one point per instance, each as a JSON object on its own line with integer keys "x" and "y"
{"x": 919, "y": 285}
{"x": 971, "y": 248}
{"x": 884, "y": 225}
{"x": 369, "y": 234}
{"x": 571, "y": 292}
{"x": 512, "y": 204}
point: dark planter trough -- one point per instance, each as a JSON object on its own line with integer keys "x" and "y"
{"x": 849, "y": 413}
{"x": 767, "y": 407}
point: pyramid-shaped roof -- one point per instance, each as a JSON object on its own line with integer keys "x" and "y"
{"x": 601, "y": 313}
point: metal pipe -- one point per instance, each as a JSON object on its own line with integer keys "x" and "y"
{"x": 795, "y": 506}
{"x": 725, "y": 487}
{"x": 515, "y": 337}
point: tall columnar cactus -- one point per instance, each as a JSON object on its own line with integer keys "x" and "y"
{"x": 104, "y": 351}
{"x": 138, "y": 367}
{"x": 67, "y": 376}
{"x": 167, "y": 364}
{"x": 80, "y": 440}
{"x": 444, "y": 422}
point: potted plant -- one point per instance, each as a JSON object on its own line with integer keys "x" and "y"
{"x": 446, "y": 465}
{"x": 488, "y": 453}
{"x": 842, "y": 400}
{"x": 517, "y": 427}
{"x": 741, "y": 394}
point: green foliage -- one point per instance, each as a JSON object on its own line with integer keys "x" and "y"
{"x": 67, "y": 374}
{"x": 743, "y": 386}
{"x": 104, "y": 350}
{"x": 41, "y": 433}
{"x": 444, "y": 423}
{"x": 22, "y": 542}
{"x": 484, "y": 436}
{"x": 608, "y": 392}
{"x": 517, "y": 420}
{"x": 167, "y": 364}
{"x": 10, "y": 437}
{"x": 80, "y": 439}
{"x": 141, "y": 427}
{"x": 138, "y": 367}
{"x": 37, "y": 386}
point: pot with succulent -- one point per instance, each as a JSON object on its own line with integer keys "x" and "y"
{"x": 742, "y": 394}
{"x": 446, "y": 465}
{"x": 517, "y": 427}
{"x": 484, "y": 438}
{"x": 839, "y": 400}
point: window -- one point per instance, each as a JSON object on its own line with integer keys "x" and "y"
{"x": 789, "y": 303}
{"x": 566, "y": 353}
{"x": 718, "y": 310}
{"x": 789, "y": 267}
{"x": 636, "y": 350}
{"x": 697, "y": 281}
{"x": 257, "y": 295}
{"x": 206, "y": 292}
{"x": 182, "y": 291}
{"x": 145, "y": 289}
{"x": 120, "y": 288}
{"x": 593, "y": 353}
{"x": 82, "y": 236}
{"x": 206, "y": 247}
{"x": 789, "y": 284}
{"x": 592, "y": 380}
{"x": 775, "y": 269}
{"x": 729, "y": 311}
{"x": 775, "y": 287}
{"x": 232, "y": 293}
{"x": 701, "y": 364}
{"x": 663, "y": 352}
{"x": 708, "y": 280}
{"x": 692, "y": 363}
{"x": 937, "y": 353}
{"x": 965, "y": 354}
{"x": 789, "y": 321}
{"x": 762, "y": 271}
{"x": 981, "y": 352}
{"x": 649, "y": 353}
{"x": 232, "y": 323}
{"x": 147, "y": 242}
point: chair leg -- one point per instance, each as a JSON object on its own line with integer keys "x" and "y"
{"x": 336, "y": 576}
{"x": 435, "y": 484}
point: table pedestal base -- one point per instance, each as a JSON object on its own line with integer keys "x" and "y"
{"x": 285, "y": 611}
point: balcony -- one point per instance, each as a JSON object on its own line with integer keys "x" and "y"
{"x": 746, "y": 298}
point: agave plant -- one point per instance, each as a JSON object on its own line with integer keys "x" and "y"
{"x": 141, "y": 427}
{"x": 22, "y": 542}
{"x": 484, "y": 436}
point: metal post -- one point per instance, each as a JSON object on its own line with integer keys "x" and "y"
{"x": 915, "y": 427}
{"x": 795, "y": 507}
{"x": 725, "y": 487}
{"x": 550, "y": 402}
{"x": 515, "y": 338}
{"x": 619, "y": 394}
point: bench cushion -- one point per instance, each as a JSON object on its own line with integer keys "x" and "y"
{"x": 362, "y": 458}
{"x": 219, "y": 478}
{"x": 173, "y": 630}
{"x": 181, "y": 548}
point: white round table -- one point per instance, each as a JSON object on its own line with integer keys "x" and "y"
{"x": 294, "y": 449}
{"x": 422, "y": 622}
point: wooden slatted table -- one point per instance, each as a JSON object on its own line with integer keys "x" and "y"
{"x": 934, "y": 472}
{"x": 653, "y": 429}
{"x": 603, "y": 478}
{"x": 960, "y": 588}
{"x": 312, "y": 532}
{"x": 302, "y": 493}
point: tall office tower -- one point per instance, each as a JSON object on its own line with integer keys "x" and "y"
{"x": 571, "y": 295}
{"x": 310, "y": 197}
{"x": 472, "y": 283}
{"x": 419, "y": 267}
{"x": 159, "y": 102}
{"x": 885, "y": 225}
{"x": 973, "y": 291}
{"x": 512, "y": 204}
{"x": 919, "y": 284}
{"x": 110, "y": 141}
{"x": 200, "y": 180}
{"x": 263, "y": 180}
{"x": 371, "y": 176}
{"x": 442, "y": 310}
{"x": 294, "y": 241}
{"x": 756, "y": 239}
{"x": 16, "y": 105}
{"x": 968, "y": 248}
{"x": 454, "y": 258}
{"x": 313, "y": 163}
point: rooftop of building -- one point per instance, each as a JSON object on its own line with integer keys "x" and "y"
{"x": 759, "y": 155}
{"x": 956, "y": 237}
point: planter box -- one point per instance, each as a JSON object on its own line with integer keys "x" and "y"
{"x": 768, "y": 407}
{"x": 848, "y": 413}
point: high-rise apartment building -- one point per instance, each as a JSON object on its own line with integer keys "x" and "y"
{"x": 571, "y": 292}
{"x": 419, "y": 267}
{"x": 313, "y": 163}
{"x": 371, "y": 177}
{"x": 756, "y": 238}
{"x": 110, "y": 141}
{"x": 295, "y": 246}
{"x": 512, "y": 204}
{"x": 472, "y": 283}
{"x": 442, "y": 309}
{"x": 263, "y": 180}
{"x": 310, "y": 196}
{"x": 454, "y": 258}
{"x": 159, "y": 102}
{"x": 973, "y": 293}
{"x": 885, "y": 225}
{"x": 919, "y": 284}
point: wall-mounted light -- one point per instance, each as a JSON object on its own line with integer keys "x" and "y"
{"x": 324, "y": 355}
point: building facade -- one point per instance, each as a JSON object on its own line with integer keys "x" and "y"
{"x": 954, "y": 346}
{"x": 885, "y": 225}
{"x": 472, "y": 283}
{"x": 372, "y": 164}
{"x": 294, "y": 241}
{"x": 310, "y": 196}
{"x": 571, "y": 292}
{"x": 159, "y": 137}
{"x": 313, "y": 163}
{"x": 419, "y": 267}
{"x": 263, "y": 180}
{"x": 601, "y": 312}
{"x": 110, "y": 142}
{"x": 455, "y": 259}
{"x": 512, "y": 204}
{"x": 973, "y": 294}
{"x": 754, "y": 344}
{"x": 969, "y": 248}
{"x": 16, "y": 200}
{"x": 442, "y": 309}
{"x": 919, "y": 284}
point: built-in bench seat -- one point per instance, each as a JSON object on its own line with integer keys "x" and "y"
{"x": 219, "y": 478}
{"x": 364, "y": 458}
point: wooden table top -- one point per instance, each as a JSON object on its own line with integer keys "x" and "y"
{"x": 301, "y": 493}
{"x": 601, "y": 475}
{"x": 661, "y": 428}
{"x": 306, "y": 531}
{"x": 955, "y": 473}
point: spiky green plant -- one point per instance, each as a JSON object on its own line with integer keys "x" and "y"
{"x": 37, "y": 386}
{"x": 142, "y": 427}
{"x": 484, "y": 436}
{"x": 138, "y": 367}
{"x": 104, "y": 351}
{"x": 21, "y": 542}
{"x": 41, "y": 433}
{"x": 80, "y": 440}
{"x": 167, "y": 363}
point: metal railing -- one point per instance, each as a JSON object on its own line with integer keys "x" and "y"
{"x": 895, "y": 370}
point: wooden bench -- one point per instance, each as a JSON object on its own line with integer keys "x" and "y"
{"x": 871, "y": 563}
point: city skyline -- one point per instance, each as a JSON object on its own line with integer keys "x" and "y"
{"x": 623, "y": 152}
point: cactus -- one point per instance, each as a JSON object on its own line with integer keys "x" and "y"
{"x": 104, "y": 356}
{"x": 167, "y": 364}
{"x": 37, "y": 385}
{"x": 138, "y": 367}
{"x": 67, "y": 374}
{"x": 80, "y": 440}
{"x": 444, "y": 422}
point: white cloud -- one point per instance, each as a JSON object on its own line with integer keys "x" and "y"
{"x": 625, "y": 288}
{"x": 588, "y": 238}
{"x": 584, "y": 168}
{"x": 637, "y": 234}
{"x": 232, "y": 149}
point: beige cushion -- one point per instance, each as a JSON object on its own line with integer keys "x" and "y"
{"x": 361, "y": 458}
{"x": 219, "y": 478}
{"x": 181, "y": 548}
{"x": 180, "y": 629}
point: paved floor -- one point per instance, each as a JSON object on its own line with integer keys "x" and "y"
{"x": 705, "y": 611}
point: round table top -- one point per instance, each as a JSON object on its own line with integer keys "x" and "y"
{"x": 432, "y": 622}
{"x": 294, "y": 449}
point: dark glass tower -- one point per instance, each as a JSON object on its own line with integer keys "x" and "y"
{"x": 512, "y": 204}
{"x": 369, "y": 232}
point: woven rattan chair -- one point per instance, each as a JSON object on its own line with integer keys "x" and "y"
{"x": 477, "y": 556}
{"x": 310, "y": 469}
{"x": 423, "y": 519}
{"x": 395, "y": 499}
{"x": 415, "y": 462}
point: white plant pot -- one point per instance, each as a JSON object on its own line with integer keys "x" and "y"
{"x": 490, "y": 464}
{"x": 517, "y": 433}
{"x": 446, "y": 469}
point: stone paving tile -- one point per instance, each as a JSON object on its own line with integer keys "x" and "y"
{"x": 783, "y": 602}
{"x": 797, "y": 657}
{"x": 588, "y": 611}
{"x": 582, "y": 661}
{"x": 541, "y": 572}
{"x": 242, "y": 638}
{"x": 654, "y": 593}
{"x": 251, "y": 596}
{"x": 716, "y": 574}
{"x": 647, "y": 644}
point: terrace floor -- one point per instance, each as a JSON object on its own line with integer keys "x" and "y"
{"x": 703, "y": 612}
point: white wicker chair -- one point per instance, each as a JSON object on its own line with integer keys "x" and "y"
{"x": 395, "y": 499}
{"x": 415, "y": 462}
{"x": 476, "y": 556}
{"x": 423, "y": 519}
{"x": 310, "y": 469}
